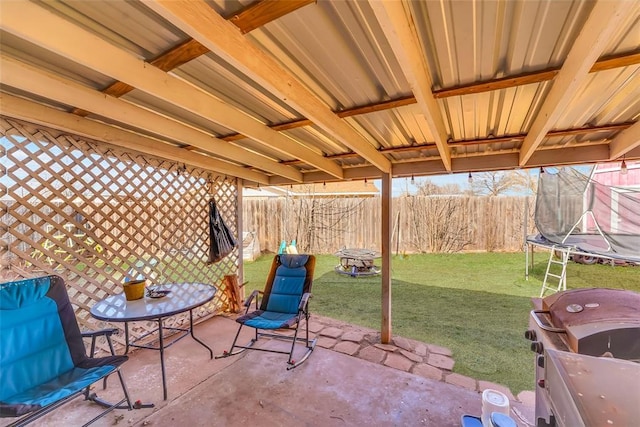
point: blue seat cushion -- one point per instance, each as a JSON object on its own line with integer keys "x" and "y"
{"x": 287, "y": 289}
{"x": 58, "y": 388}
{"x": 261, "y": 319}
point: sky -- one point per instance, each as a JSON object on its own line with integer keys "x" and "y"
{"x": 401, "y": 185}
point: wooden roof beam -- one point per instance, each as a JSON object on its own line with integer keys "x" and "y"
{"x": 494, "y": 162}
{"x": 262, "y": 12}
{"x": 364, "y": 109}
{"x": 626, "y": 141}
{"x": 197, "y": 19}
{"x": 169, "y": 60}
{"x": 603, "y": 21}
{"x": 47, "y": 85}
{"x": 33, "y": 112}
{"x": 399, "y": 28}
{"x": 53, "y": 33}
{"x": 498, "y": 139}
{"x": 249, "y": 18}
{"x": 606, "y": 63}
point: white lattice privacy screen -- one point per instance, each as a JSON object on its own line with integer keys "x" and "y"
{"x": 94, "y": 214}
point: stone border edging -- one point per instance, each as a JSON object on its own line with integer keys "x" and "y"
{"x": 426, "y": 360}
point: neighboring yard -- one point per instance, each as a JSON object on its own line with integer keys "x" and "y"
{"x": 476, "y": 304}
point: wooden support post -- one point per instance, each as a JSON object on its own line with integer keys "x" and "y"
{"x": 240, "y": 227}
{"x": 385, "y": 336}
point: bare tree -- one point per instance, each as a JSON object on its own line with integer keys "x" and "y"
{"x": 435, "y": 225}
{"x": 528, "y": 181}
{"x": 451, "y": 189}
{"x": 428, "y": 188}
{"x": 314, "y": 221}
{"x": 502, "y": 182}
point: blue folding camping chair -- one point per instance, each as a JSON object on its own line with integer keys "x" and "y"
{"x": 42, "y": 353}
{"x": 284, "y": 305}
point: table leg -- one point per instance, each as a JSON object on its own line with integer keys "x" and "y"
{"x": 126, "y": 337}
{"x": 161, "y": 345}
{"x": 194, "y": 337}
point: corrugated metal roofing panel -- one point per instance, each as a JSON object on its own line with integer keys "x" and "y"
{"x": 338, "y": 50}
{"x": 314, "y": 137}
{"x": 170, "y": 110}
{"x": 397, "y": 127}
{"x": 215, "y": 76}
{"x": 39, "y": 99}
{"x": 263, "y": 150}
{"x": 42, "y": 58}
{"x": 126, "y": 24}
{"x": 467, "y": 41}
{"x": 606, "y": 97}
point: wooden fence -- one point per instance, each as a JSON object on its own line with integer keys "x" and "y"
{"x": 420, "y": 223}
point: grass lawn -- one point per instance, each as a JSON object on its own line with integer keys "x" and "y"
{"x": 475, "y": 304}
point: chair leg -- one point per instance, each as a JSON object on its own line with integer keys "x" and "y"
{"x": 88, "y": 395}
{"x": 293, "y": 345}
{"x": 310, "y": 345}
{"x": 93, "y": 397}
{"x": 242, "y": 348}
{"x": 124, "y": 390}
{"x": 306, "y": 320}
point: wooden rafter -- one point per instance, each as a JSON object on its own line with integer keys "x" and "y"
{"x": 399, "y": 28}
{"x": 603, "y": 21}
{"x": 68, "y": 40}
{"x": 260, "y": 13}
{"x": 611, "y": 62}
{"x": 251, "y": 17}
{"x": 39, "y": 114}
{"x": 364, "y": 109}
{"x": 626, "y": 141}
{"x": 169, "y": 60}
{"x": 605, "y": 63}
{"x": 197, "y": 19}
{"x": 30, "y": 79}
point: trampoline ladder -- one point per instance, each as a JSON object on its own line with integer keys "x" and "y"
{"x": 562, "y": 277}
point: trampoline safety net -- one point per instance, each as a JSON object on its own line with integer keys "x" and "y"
{"x": 573, "y": 210}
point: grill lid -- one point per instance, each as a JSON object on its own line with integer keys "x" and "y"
{"x": 585, "y": 306}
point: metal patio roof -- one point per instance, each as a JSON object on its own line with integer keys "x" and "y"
{"x": 286, "y": 91}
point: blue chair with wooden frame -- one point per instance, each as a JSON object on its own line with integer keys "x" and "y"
{"x": 284, "y": 305}
{"x": 42, "y": 354}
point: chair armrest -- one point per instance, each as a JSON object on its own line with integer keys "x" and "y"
{"x": 304, "y": 301}
{"x": 107, "y": 332}
{"x": 255, "y": 294}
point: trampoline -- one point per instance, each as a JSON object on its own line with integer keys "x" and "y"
{"x": 585, "y": 219}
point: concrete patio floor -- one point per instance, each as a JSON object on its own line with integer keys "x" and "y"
{"x": 350, "y": 379}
